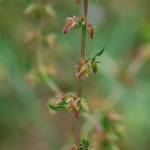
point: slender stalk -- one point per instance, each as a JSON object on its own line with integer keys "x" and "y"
{"x": 48, "y": 81}
{"x": 79, "y": 84}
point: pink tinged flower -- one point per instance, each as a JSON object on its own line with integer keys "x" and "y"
{"x": 71, "y": 23}
{"x": 91, "y": 30}
{"x": 77, "y": 1}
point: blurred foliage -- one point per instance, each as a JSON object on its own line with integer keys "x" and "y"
{"x": 121, "y": 86}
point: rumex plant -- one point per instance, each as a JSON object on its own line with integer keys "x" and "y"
{"x": 77, "y": 104}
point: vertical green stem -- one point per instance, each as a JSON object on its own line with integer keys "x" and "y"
{"x": 83, "y": 40}
{"x": 79, "y": 84}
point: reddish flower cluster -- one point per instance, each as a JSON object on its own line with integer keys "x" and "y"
{"x": 68, "y": 102}
{"x": 75, "y": 22}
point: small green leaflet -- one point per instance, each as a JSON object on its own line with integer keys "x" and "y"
{"x": 94, "y": 62}
{"x": 84, "y": 145}
{"x": 62, "y": 106}
{"x": 98, "y": 54}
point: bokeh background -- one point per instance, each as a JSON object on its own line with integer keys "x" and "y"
{"x": 34, "y": 69}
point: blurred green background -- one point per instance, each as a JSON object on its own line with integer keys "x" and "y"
{"x": 122, "y": 83}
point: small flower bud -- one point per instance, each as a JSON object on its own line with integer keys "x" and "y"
{"x": 71, "y": 23}
{"x": 91, "y": 30}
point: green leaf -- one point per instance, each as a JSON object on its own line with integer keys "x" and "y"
{"x": 84, "y": 145}
{"x": 62, "y": 106}
{"x": 98, "y": 53}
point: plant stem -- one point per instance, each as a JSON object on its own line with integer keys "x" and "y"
{"x": 79, "y": 84}
{"x": 43, "y": 73}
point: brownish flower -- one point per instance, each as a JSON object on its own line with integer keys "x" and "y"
{"x": 83, "y": 69}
